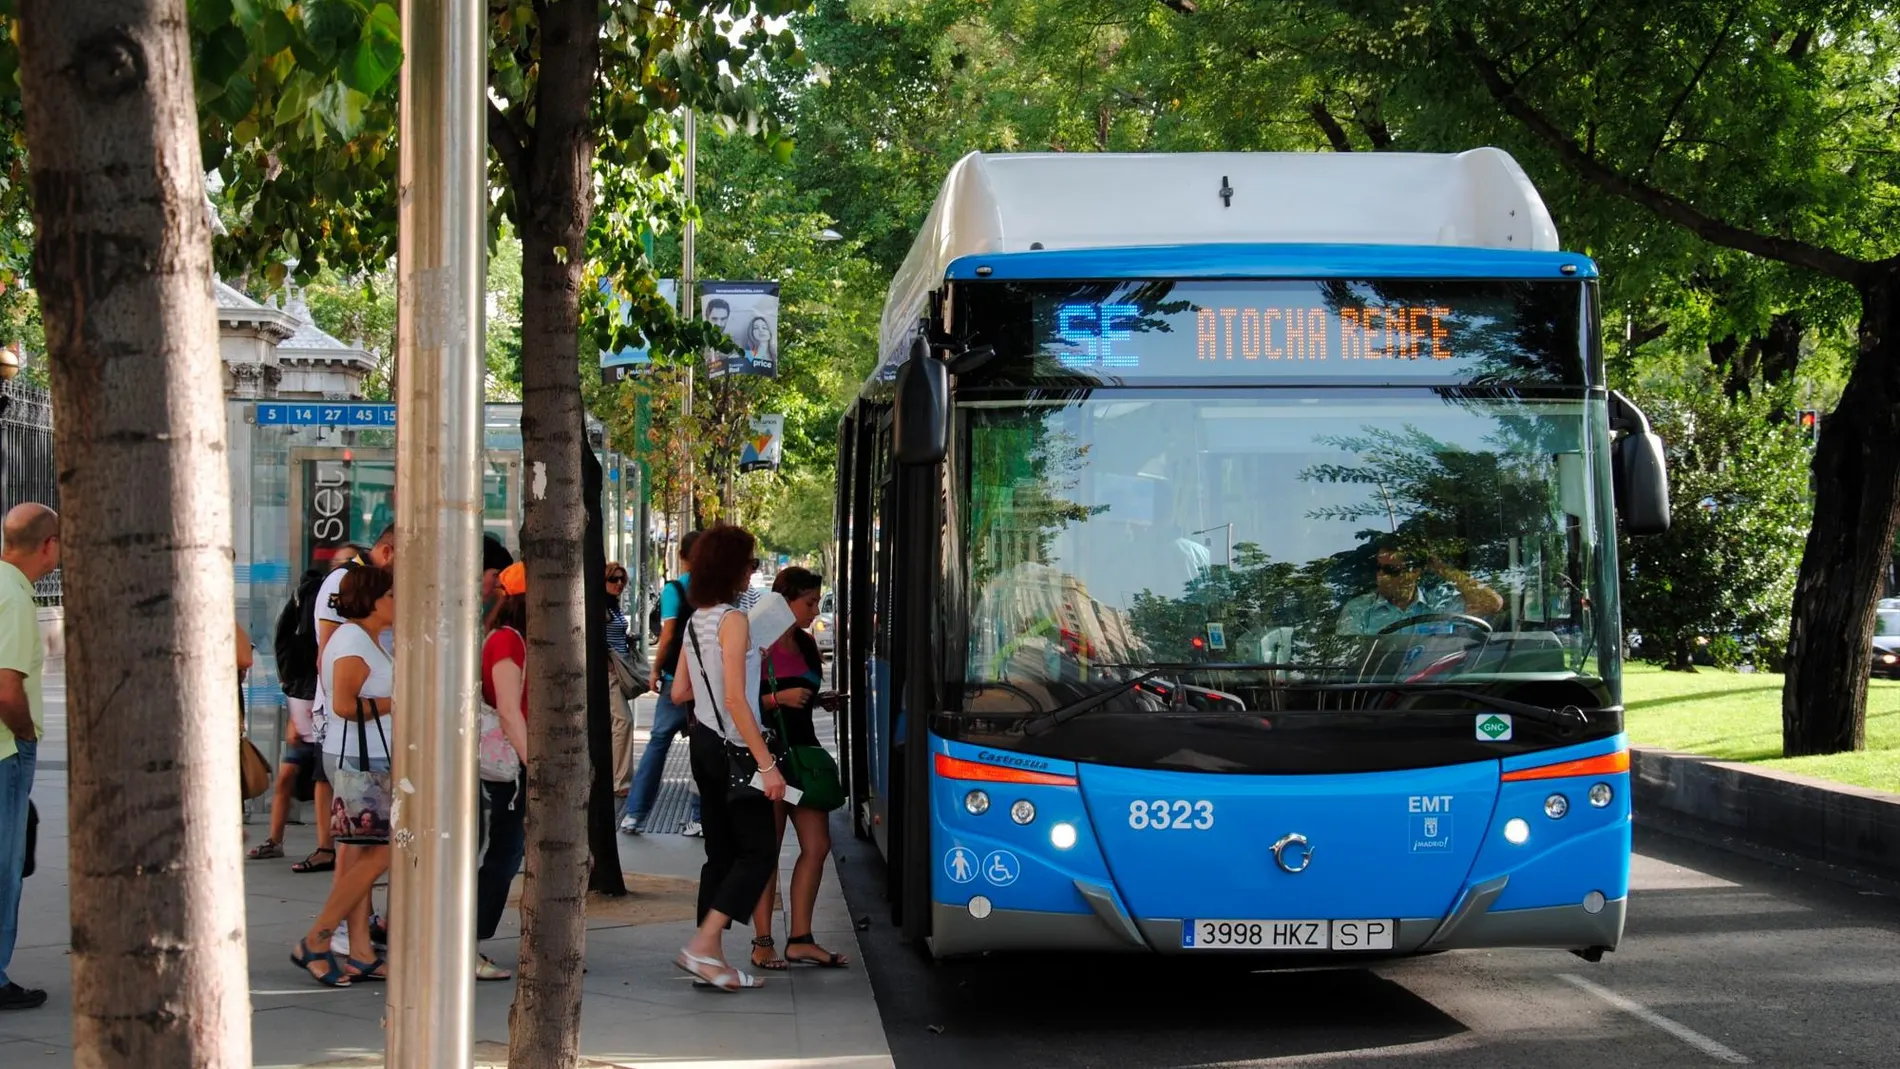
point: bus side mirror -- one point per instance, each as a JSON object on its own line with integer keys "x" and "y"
{"x": 920, "y": 424}
{"x": 1639, "y": 474}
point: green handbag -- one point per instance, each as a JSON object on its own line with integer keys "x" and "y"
{"x": 809, "y": 768}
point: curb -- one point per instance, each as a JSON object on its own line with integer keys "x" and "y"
{"x": 1852, "y": 827}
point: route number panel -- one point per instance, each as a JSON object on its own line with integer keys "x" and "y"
{"x": 1346, "y": 935}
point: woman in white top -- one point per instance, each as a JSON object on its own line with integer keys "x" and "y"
{"x": 719, "y": 673}
{"x": 358, "y": 679}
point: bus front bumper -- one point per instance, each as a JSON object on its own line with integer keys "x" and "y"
{"x": 957, "y": 933}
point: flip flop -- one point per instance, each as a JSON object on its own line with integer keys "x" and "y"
{"x": 831, "y": 960}
{"x": 716, "y": 974}
{"x": 366, "y": 970}
{"x": 488, "y": 970}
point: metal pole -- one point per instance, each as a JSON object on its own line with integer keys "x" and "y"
{"x": 689, "y": 306}
{"x": 440, "y": 259}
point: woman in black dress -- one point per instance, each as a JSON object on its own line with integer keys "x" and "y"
{"x": 793, "y": 677}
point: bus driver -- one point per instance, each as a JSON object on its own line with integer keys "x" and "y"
{"x": 1399, "y": 595}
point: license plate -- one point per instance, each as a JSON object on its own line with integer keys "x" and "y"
{"x": 1287, "y": 935}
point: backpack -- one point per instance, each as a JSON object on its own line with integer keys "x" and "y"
{"x": 670, "y": 653}
{"x": 293, "y": 644}
{"x": 653, "y": 617}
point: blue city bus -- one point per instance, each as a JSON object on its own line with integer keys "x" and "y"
{"x": 1227, "y": 552}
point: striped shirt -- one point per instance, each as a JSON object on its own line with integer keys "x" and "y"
{"x": 617, "y": 630}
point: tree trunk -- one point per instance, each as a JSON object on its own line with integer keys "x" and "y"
{"x": 122, "y": 261}
{"x": 555, "y": 201}
{"x": 603, "y": 840}
{"x": 1857, "y": 484}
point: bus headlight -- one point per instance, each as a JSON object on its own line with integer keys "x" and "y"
{"x": 1556, "y": 806}
{"x": 1601, "y": 795}
{"x": 1023, "y": 811}
{"x": 1517, "y": 831}
{"x": 1062, "y": 835}
{"x": 977, "y": 803}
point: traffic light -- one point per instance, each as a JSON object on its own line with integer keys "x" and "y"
{"x": 1809, "y": 423}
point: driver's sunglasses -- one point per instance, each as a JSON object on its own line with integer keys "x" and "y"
{"x": 1396, "y": 569}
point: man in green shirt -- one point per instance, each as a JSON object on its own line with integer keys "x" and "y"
{"x": 31, "y": 551}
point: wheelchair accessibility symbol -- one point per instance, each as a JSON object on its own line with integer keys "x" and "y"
{"x": 960, "y": 865}
{"x": 1001, "y": 868}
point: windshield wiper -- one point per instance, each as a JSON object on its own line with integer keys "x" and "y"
{"x": 1562, "y": 716}
{"x": 1063, "y": 713}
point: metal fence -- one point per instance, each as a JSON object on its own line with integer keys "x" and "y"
{"x": 27, "y": 472}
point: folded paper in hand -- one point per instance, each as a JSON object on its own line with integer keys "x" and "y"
{"x": 769, "y": 619}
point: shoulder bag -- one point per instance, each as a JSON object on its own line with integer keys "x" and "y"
{"x": 496, "y": 756}
{"x": 809, "y": 768}
{"x": 741, "y": 766}
{"x": 364, "y": 798}
{"x": 630, "y": 677}
{"x": 253, "y": 770}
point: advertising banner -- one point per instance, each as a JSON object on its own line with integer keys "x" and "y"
{"x": 631, "y": 361}
{"x": 765, "y": 445}
{"x": 748, "y": 313}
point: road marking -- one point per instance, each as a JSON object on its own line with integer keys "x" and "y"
{"x": 1643, "y": 1013}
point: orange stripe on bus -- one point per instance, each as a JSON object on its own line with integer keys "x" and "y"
{"x": 957, "y": 768}
{"x": 1602, "y": 765}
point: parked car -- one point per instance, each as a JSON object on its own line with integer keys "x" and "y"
{"x": 824, "y": 629}
{"x": 1887, "y": 642}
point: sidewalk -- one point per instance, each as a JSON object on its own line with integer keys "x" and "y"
{"x": 638, "y": 1010}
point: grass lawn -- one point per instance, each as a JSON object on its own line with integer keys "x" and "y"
{"x": 1737, "y": 717}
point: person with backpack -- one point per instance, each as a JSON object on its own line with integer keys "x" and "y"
{"x": 669, "y": 718}
{"x": 301, "y": 767}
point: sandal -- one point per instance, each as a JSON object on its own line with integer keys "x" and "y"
{"x": 829, "y": 961}
{"x": 716, "y": 974}
{"x": 371, "y": 971}
{"x": 772, "y": 962}
{"x": 303, "y": 957}
{"x": 269, "y": 848}
{"x": 488, "y": 970}
{"x": 311, "y": 864}
{"x": 746, "y": 980}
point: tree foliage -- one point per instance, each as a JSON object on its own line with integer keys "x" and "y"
{"x": 1739, "y": 494}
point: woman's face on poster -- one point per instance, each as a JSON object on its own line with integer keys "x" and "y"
{"x": 761, "y": 331}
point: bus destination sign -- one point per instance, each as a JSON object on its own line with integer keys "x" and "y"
{"x": 1278, "y": 329}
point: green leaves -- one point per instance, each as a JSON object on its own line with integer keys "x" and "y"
{"x": 371, "y": 61}
{"x": 223, "y": 55}
{"x": 342, "y": 108}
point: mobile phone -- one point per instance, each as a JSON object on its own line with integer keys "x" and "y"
{"x": 792, "y": 794}
{"x": 828, "y": 700}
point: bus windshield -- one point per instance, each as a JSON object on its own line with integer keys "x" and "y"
{"x": 1376, "y": 536}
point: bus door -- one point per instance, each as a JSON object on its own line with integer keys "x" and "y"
{"x": 881, "y": 717}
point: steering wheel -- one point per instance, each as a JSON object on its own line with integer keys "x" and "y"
{"x": 1031, "y": 700}
{"x": 1473, "y": 622}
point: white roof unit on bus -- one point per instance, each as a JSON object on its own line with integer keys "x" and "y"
{"x": 1077, "y": 200}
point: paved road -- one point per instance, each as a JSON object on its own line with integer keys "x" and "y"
{"x": 1727, "y": 960}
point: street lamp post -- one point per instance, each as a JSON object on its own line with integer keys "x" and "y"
{"x": 9, "y": 367}
{"x": 441, "y": 254}
{"x": 688, "y": 275}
